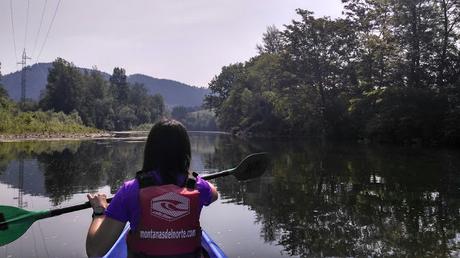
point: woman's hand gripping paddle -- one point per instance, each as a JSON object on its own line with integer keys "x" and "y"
{"x": 14, "y": 221}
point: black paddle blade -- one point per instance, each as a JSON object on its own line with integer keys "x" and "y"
{"x": 3, "y": 225}
{"x": 252, "y": 166}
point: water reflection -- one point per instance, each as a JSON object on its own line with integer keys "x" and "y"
{"x": 316, "y": 200}
{"x": 67, "y": 168}
{"x": 356, "y": 201}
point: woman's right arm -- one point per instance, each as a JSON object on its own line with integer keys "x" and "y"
{"x": 103, "y": 231}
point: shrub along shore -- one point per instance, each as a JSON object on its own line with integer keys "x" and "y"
{"x": 53, "y": 136}
{"x": 39, "y": 125}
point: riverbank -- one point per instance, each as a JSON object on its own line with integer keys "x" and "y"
{"x": 119, "y": 135}
{"x": 54, "y": 136}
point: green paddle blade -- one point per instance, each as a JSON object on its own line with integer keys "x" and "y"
{"x": 14, "y": 222}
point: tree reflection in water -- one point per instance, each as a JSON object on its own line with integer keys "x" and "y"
{"x": 76, "y": 167}
{"x": 354, "y": 201}
{"x": 316, "y": 200}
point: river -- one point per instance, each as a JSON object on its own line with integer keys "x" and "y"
{"x": 316, "y": 200}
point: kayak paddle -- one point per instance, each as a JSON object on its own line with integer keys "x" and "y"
{"x": 14, "y": 221}
{"x": 250, "y": 167}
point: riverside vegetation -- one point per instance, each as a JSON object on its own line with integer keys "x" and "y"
{"x": 14, "y": 121}
{"x": 79, "y": 101}
{"x": 76, "y": 102}
{"x": 387, "y": 71}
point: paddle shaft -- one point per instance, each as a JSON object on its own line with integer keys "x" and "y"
{"x": 241, "y": 172}
{"x": 86, "y": 205}
{"x": 14, "y": 221}
{"x": 57, "y": 212}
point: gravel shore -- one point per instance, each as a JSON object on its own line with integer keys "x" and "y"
{"x": 54, "y": 136}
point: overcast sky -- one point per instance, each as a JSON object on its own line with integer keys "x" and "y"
{"x": 184, "y": 40}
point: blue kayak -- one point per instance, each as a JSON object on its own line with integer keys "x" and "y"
{"x": 119, "y": 249}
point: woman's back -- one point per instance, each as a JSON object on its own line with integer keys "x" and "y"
{"x": 161, "y": 207}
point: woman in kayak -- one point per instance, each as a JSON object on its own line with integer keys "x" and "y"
{"x": 162, "y": 204}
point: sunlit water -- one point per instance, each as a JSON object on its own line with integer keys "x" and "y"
{"x": 329, "y": 200}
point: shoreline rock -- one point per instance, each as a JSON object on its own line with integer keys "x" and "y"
{"x": 119, "y": 135}
{"x": 54, "y": 136}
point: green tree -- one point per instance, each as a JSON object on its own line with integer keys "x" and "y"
{"x": 6, "y": 105}
{"x": 388, "y": 71}
{"x": 201, "y": 120}
{"x": 404, "y": 45}
{"x": 447, "y": 13}
{"x": 415, "y": 28}
{"x": 179, "y": 113}
{"x": 225, "y": 99}
{"x": 156, "y": 106}
{"x": 263, "y": 101}
{"x": 272, "y": 41}
{"x": 319, "y": 52}
{"x": 148, "y": 108}
{"x": 120, "y": 85}
{"x": 138, "y": 101}
{"x": 448, "y": 70}
{"x": 221, "y": 86}
{"x": 96, "y": 108}
{"x": 3, "y": 92}
{"x": 64, "y": 90}
{"x": 377, "y": 52}
{"x": 125, "y": 118}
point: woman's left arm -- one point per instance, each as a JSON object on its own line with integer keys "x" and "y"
{"x": 103, "y": 231}
{"x": 214, "y": 193}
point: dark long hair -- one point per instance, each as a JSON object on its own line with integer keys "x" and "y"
{"x": 167, "y": 150}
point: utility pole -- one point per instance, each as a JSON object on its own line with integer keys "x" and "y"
{"x": 21, "y": 203}
{"x": 20, "y": 198}
{"x": 23, "y": 77}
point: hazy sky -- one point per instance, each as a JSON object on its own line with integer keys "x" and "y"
{"x": 183, "y": 40}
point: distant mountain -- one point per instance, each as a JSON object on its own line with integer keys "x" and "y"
{"x": 36, "y": 81}
{"x": 174, "y": 93}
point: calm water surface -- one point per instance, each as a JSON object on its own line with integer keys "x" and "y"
{"x": 315, "y": 201}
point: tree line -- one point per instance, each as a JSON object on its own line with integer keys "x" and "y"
{"x": 14, "y": 120}
{"x": 76, "y": 98}
{"x": 387, "y": 71}
{"x": 112, "y": 105}
{"x": 195, "y": 118}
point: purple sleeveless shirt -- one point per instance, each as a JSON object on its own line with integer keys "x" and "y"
{"x": 125, "y": 204}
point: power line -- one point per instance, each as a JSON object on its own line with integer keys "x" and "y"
{"x": 49, "y": 29}
{"x": 12, "y": 27}
{"x": 39, "y": 27}
{"x": 27, "y": 23}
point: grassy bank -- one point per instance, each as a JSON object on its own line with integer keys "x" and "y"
{"x": 39, "y": 122}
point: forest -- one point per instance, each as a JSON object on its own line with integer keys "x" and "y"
{"x": 387, "y": 71}
{"x": 110, "y": 105}
{"x": 79, "y": 101}
{"x": 83, "y": 100}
